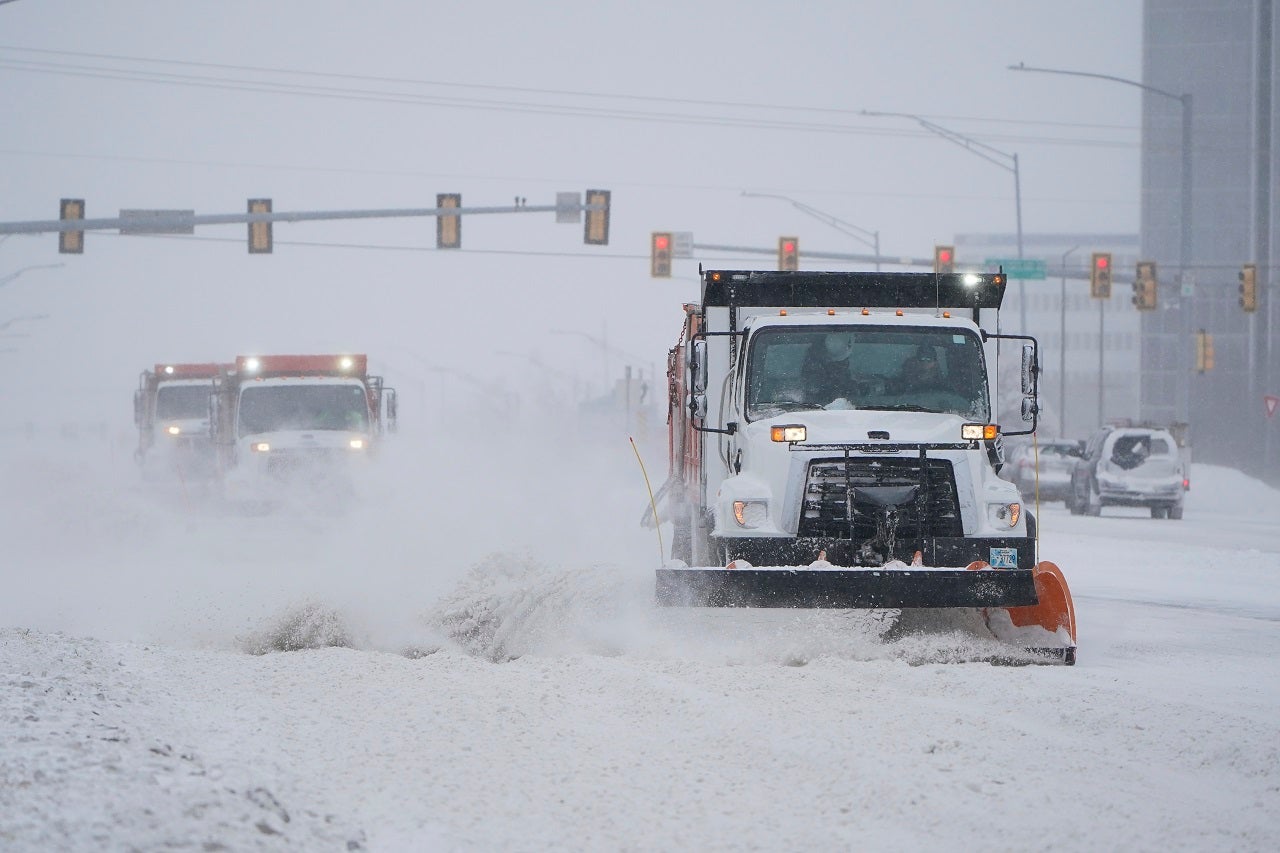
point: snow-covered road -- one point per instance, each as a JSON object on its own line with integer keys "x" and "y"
{"x": 512, "y": 688}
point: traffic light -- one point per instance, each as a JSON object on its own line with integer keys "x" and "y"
{"x": 260, "y": 237}
{"x": 71, "y": 242}
{"x": 1100, "y": 275}
{"x": 1249, "y": 287}
{"x": 1204, "y": 351}
{"x": 944, "y": 259}
{"x": 1145, "y": 284}
{"x": 788, "y": 253}
{"x": 660, "y": 254}
{"x": 596, "y": 230}
{"x": 448, "y": 225}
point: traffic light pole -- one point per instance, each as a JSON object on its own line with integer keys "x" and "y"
{"x": 1062, "y": 346}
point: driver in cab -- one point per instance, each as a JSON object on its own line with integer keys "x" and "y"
{"x": 920, "y": 372}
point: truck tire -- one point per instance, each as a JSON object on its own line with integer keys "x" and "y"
{"x": 1175, "y": 512}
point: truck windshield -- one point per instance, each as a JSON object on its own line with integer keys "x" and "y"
{"x": 268, "y": 408}
{"x": 182, "y": 402}
{"x": 917, "y": 369}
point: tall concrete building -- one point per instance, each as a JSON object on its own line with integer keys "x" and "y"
{"x": 1210, "y": 67}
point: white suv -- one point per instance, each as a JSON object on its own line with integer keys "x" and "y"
{"x": 1129, "y": 466}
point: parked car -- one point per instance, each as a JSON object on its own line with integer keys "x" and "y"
{"x": 1129, "y": 466}
{"x": 1058, "y": 457}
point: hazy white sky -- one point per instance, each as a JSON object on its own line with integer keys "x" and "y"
{"x": 677, "y": 107}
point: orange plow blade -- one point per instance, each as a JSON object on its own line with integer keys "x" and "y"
{"x": 1042, "y": 628}
{"x": 1055, "y": 609}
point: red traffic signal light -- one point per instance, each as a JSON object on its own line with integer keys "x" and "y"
{"x": 1100, "y": 275}
{"x": 660, "y": 254}
{"x": 944, "y": 259}
{"x": 788, "y": 253}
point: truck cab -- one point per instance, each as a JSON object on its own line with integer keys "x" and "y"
{"x": 288, "y": 423}
{"x": 171, "y": 411}
{"x": 845, "y": 417}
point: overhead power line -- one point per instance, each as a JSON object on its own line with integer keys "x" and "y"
{"x": 531, "y": 107}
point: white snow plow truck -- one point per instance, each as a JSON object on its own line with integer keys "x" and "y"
{"x": 297, "y": 425}
{"x": 833, "y": 445}
{"x": 171, "y": 411}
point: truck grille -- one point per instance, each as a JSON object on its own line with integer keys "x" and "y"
{"x": 830, "y": 483}
{"x": 304, "y": 464}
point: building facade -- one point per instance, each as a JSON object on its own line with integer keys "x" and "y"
{"x": 1210, "y": 70}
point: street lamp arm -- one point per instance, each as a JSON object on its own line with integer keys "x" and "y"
{"x": 1024, "y": 67}
{"x": 981, "y": 149}
{"x": 11, "y": 276}
{"x": 847, "y": 228}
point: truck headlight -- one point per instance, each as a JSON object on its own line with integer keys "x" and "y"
{"x": 979, "y": 432}
{"x": 1005, "y": 514}
{"x": 260, "y": 446}
{"x": 356, "y": 444}
{"x": 173, "y": 430}
{"x": 751, "y": 514}
{"x": 789, "y": 433}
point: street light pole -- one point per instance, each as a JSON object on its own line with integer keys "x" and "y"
{"x": 1006, "y": 161}
{"x": 840, "y": 225}
{"x": 1062, "y": 346}
{"x": 1182, "y": 374}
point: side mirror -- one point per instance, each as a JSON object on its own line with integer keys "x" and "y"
{"x": 214, "y": 412}
{"x": 698, "y": 406}
{"x": 391, "y": 405}
{"x": 137, "y": 408}
{"x": 698, "y": 366}
{"x": 1028, "y": 369}
{"x": 1030, "y": 408}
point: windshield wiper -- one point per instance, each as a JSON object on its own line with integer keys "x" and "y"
{"x": 783, "y": 406}
{"x": 898, "y": 407}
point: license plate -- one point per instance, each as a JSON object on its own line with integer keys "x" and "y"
{"x": 1004, "y": 558}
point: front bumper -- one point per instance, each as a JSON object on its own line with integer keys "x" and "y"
{"x": 943, "y": 551}
{"x": 844, "y": 589}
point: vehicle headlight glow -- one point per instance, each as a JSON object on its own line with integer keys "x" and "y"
{"x": 345, "y": 362}
{"x": 788, "y": 432}
{"x": 168, "y": 369}
{"x": 750, "y": 514}
{"x": 979, "y": 432}
{"x": 173, "y": 430}
{"x": 1007, "y": 514}
{"x": 970, "y": 279}
{"x": 260, "y": 446}
{"x": 252, "y": 365}
{"x": 356, "y": 444}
